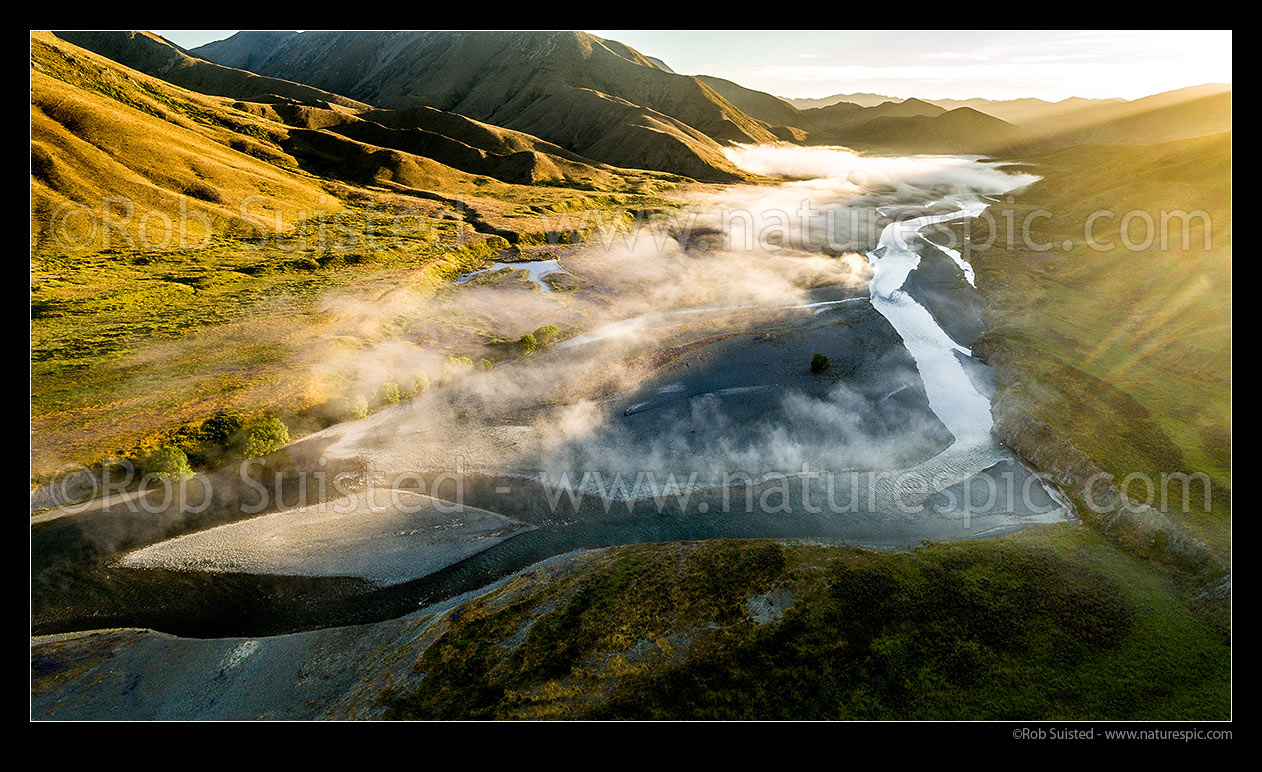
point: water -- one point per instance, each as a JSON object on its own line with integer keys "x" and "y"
{"x": 952, "y": 395}
{"x": 535, "y": 270}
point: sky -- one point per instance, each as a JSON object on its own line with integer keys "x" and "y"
{"x": 931, "y": 64}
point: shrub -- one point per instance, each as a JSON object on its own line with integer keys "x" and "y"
{"x": 169, "y": 462}
{"x": 359, "y": 406}
{"x": 546, "y": 334}
{"x": 221, "y": 429}
{"x": 527, "y": 343}
{"x": 417, "y": 385}
{"x": 454, "y": 367}
{"x": 820, "y": 363}
{"x": 267, "y": 434}
{"x": 388, "y": 393}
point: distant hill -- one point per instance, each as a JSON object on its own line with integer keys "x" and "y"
{"x": 599, "y": 98}
{"x": 1029, "y": 111}
{"x": 862, "y": 99}
{"x": 1190, "y": 112}
{"x": 911, "y": 126}
{"x": 963, "y": 130}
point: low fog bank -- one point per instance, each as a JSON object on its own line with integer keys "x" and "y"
{"x": 736, "y": 260}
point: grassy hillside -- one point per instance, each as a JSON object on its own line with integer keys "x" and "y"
{"x": 598, "y": 98}
{"x": 1051, "y": 624}
{"x": 156, "y": 56}
{"x": 1124, "y": 353}
{"x": 134, "y": 338}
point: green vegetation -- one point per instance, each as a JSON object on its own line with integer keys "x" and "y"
{"x": 527, "y": 343}
{"x": 546, "y": 334}
{"x": 1124, "y": 353}
{"x": 266, "y": 435}
{"x": 1055, "y": 623}
{"x": 134, "y": 340}
{"x": 388, "y": 393}
{"x": 820, "y": 363}
{"x": 169, "y": 462}
{"x": 418, "y": 384}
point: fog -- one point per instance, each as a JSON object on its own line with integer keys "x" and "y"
{"x": 730, "y": 262}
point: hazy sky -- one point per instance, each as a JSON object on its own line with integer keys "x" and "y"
{"x": 935, "y": 64}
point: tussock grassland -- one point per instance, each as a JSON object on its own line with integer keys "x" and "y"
{"x": 1055, "y": 623}
{"x": 1126, "y": 353}
{"x": 133, "y": 339}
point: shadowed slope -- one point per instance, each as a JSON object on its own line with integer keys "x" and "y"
{"x": 598, "y": 98}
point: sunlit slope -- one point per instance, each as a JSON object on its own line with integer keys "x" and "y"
{"x": 451, "y": 140}
{"x": 911, "y": 126}
{"x": 135, "y": 334}
{"x": 156, "y": 56}
{"x": 598, "y": 98}
{"x": 1052, "y": 624}
{"x": 1125, "y": 353}
{"x": 100, "y": 131}
{"x": 1194, "y": 112}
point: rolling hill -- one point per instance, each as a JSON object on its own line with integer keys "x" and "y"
{"x": 912, "y": 126}
{"x": 598, "y": 98}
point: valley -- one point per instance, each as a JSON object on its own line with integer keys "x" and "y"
{"x": 609, "y": 392}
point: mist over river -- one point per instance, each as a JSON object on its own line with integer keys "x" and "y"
{"x": 679, "y": 403}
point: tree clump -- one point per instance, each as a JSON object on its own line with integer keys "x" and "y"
{"x": 417, "y": 384}
{"x": 527, "y": 343}
{"x": 820, "y": 363}
{"x": 546, "y": 334}
{"x": 266, "y": 435}
{"x": 168, "y": 462}
{"x": 388, "y": 393}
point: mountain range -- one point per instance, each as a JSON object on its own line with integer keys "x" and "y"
{"x": 569, "y": 107}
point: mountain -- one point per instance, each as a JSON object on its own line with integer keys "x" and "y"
{"x": 769, "y": 109}
{"x": 100, "y": 130}
{"x": 156, "y": 56}
{"x": 451, "y": 140}
{"x": 659, "y": 63}
{"x": 911, "y": 126}
{"x": 863, "y": 99}
{"x": 1187, "y": 112}
{"x": 963, "y": 130}
{"x": 1028, "y": 111}
{"x": 1172, "y": 115}
{"x": 598, "y": 98}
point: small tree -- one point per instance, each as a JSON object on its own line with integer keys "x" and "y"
{"x": 417, "y": 385}
{"x": 546, "y": 334}
{"x": 388, "y": 393}
{"x": 267, "y": 434}
{"x": 222, "y": 428}
{"x": 456, "y": 367}
{"x": 819, "y": 363}
{"x": 169, "y": 462}
{"x": 527, "y": 343}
